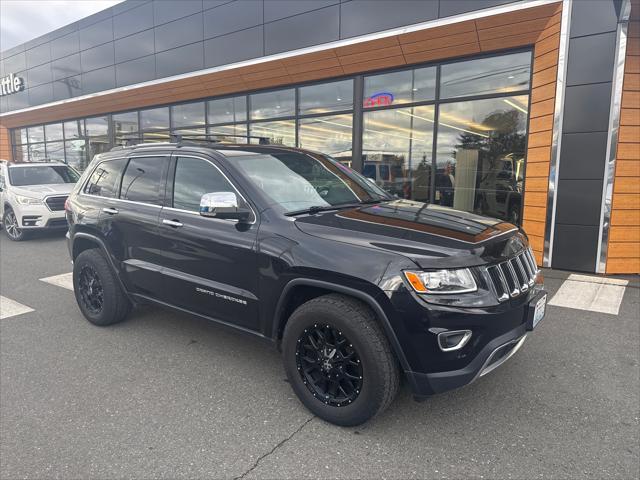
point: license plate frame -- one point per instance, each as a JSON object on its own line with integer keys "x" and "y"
{"x": 537, "y": 310}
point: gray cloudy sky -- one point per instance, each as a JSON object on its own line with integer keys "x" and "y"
{"x": 22, "y": 20}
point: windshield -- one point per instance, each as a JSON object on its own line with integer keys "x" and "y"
{"x": 42, "y": 175}
{"x": 297, "y": 181}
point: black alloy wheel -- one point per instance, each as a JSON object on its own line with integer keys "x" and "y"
{"x": 91, "y": 290}
{"x": 338, "y": 360}
{"x": 329, "y": 365}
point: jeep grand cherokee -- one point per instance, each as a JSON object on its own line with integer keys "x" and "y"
{"x": 356, "y": 288}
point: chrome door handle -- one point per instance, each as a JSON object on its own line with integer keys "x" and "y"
{"x": 110, "y": 211}
{"x": 172, "y": 223}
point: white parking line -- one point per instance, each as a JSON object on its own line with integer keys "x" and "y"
{"x": 65, "y": 280}
{"x": 596, "y": 294}
{"x": 11, "y": 308}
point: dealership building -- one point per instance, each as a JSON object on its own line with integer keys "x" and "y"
{"x": 523, "y": 110}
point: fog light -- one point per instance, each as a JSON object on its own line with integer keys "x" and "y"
{"x": 30, "y": 221}
{"x": 453, "y": 340}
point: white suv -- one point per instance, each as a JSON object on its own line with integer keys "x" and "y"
{"x": 32, "y": 196}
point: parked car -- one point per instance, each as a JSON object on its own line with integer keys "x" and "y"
{"x": 32, "y": 196}
{"x": 356, "y": 288}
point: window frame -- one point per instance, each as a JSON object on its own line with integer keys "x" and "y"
{"x": 170, "y": 182}
{"x": 162, "y": 192}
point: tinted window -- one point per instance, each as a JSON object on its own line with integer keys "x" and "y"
{"x": 187, "y": 114}
{"x": 273, "y": 104}
{"x": 155, "y": 118}
{"x": 105, "y": 179}
{"x": 507, "y": 73}
{"x": 228, "y": 110}
{"x": 143, "y": 180}
{"x": 194, "y": 178}
{"x": 400, "y": 87}
{"x": 327, "y": 97}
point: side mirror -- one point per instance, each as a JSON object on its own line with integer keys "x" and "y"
{"x": 223, "y": 205}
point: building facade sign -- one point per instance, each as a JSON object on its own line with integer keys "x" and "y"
{"x": 11, "y": 84}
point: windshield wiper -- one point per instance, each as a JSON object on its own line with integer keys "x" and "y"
{"x": 325, "y": 208}
{"x": 320, "y": 208}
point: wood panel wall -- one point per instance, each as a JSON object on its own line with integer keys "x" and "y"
{"x": 623, "y": 253}
{"x": 536, "y": 26}
{"x": 5, "y": 144}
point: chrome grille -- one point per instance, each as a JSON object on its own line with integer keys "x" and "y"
{"x": 56, "y": 203}
{"x": 513, "y": 277}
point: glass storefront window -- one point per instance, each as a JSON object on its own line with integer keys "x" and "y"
{"x": 480, "y": 156}
{"x": 280, "y": 103}
{"x": 407, "y": 86}
{"x": 329, "y": 135}
{"x": 97, "y": 126}
{"x": 55, "y": 151}
{"x": 75, "y": 152}
{"x": 155, "y": 137}
{"x": 187, "y": 114}
{"x": 325, "y": 98}
{"x": 23, "y": 136}
{"x": 53, "y": 131}
{"x": 506, "y": 73}
{"x": 37, "y": 152}
{"x": 125, "y": 126}
{"x": 154, "y": 118}
{"x": 229, "y": 133}
{"x": 35, "y": 134}
{"x": 397, "y": 148}
{"x": 227, "y": 110}
{"x": 282, "y": 132}
{"x": 73, "y": 129}
{"x": 97, "y": 129}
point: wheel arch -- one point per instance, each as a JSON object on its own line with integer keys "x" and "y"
{"x": 311, "y": 288}
{"x": 82, "y": 241}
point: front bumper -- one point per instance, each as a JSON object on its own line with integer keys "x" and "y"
{"x": 498, "y": 332}
{"x": 494, "y": 354}
{"x": 38, "y": 217}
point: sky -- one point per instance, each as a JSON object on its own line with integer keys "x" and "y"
{"x": 22, "y": 20}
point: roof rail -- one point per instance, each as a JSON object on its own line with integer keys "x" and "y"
{"x": 204, "y": 137}
{"x": 178, "y": 139}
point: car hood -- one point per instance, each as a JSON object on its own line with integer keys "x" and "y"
{"x": 430, "y": 235}
{"x": 41, "y": 191}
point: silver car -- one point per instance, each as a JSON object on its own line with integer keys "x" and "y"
{"x": 32, "y": 196}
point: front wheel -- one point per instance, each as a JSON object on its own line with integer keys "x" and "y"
{"x": 12, "y": 226}
{"x": 98, "y": 293}
{"x": 338, "y": 360}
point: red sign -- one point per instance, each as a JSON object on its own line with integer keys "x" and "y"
{"x": 381, "y": 99}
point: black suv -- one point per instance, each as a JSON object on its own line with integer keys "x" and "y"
{"x": 355, "y": 287}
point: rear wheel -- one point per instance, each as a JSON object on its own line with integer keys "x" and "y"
{"x": 339, "y": 361}
{"x": 98, "y": 293}
{"x": 12, "y": 226}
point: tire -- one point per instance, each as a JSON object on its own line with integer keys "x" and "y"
{"x": 11, "y": 227}
{"x": 341, "y": 318}
{"x": 92, "y": 275}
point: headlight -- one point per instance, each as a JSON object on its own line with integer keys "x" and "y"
{"x": 22, "y": 200}
{"x": 442, "y": 281}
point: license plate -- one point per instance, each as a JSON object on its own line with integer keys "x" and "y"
{"x": 538, "y": 313}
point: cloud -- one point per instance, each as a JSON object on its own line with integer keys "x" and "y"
{"x": 23, "y": 20}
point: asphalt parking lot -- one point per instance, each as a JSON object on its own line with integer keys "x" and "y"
{"x": 165, "y": 395}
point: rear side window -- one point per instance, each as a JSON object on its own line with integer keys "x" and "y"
{"x": 105, "y": 179}
{"x": 195, "y": 177}
{"x": 143, "y": 180}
